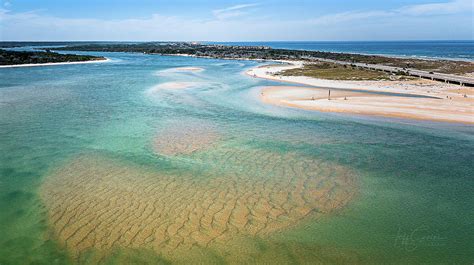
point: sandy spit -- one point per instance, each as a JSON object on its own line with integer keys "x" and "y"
{"x": 51, "y": 64}
{"x": 441, "y": 102}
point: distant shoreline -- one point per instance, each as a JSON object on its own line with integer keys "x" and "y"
{"x": 348, "y": 47}
{"x": 390, "y": 56}
{"x": 399, "y": 55}
{"x": 52, "y": 64}
{"x": 422, "y": 67}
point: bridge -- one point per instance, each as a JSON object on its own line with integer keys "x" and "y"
{"x": 447, "y": 78}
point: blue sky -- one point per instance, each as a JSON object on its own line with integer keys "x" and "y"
{"x": 236, "y": 20}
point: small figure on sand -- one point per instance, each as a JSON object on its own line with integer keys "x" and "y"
{"x": 329, "y": 94}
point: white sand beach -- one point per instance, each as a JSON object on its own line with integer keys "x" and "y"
{"x": 442, "y": 102}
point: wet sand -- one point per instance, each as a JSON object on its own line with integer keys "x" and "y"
{"x": 100, "y": 204}
{"x": 452, "y": 103}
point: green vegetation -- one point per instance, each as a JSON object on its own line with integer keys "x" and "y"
{"x": 14, "y": 57}
{"x": 334, "y": 71}
{"x": 266, "y": 53}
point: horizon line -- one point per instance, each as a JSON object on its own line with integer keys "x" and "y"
{"x": 233, "y": 41}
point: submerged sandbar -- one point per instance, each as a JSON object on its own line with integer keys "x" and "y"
{"x": 185, "y": 137}
{"x": 99, "y": 203}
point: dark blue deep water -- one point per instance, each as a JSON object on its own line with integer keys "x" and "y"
{"x": 459, "y": 49}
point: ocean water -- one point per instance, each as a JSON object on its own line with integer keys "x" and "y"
{"x": 155, "y": 160}
{"x": 454, "y": 50}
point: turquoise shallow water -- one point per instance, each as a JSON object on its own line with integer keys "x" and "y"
{"x": 412, "y": 199}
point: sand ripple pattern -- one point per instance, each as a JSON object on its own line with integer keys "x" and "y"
{"x": 99, "y": 203}
{"x": 185, "y": 138}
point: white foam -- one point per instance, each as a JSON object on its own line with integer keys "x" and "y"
{"x": 173, "y": 86}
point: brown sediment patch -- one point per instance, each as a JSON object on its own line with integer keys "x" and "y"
{"x": 98, "y": 203}
{"x": 185, "y": 137}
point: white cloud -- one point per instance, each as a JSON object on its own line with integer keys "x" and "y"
{"x": 450, "y": 7}
{"x": 354, "y": 25}
{"x": 3, "y": 12}
{"x": 422, "y": 10}
{"x": 233, "y": 11}
{"x": 37, "y": 26}
{"x": 338, "y": 18}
